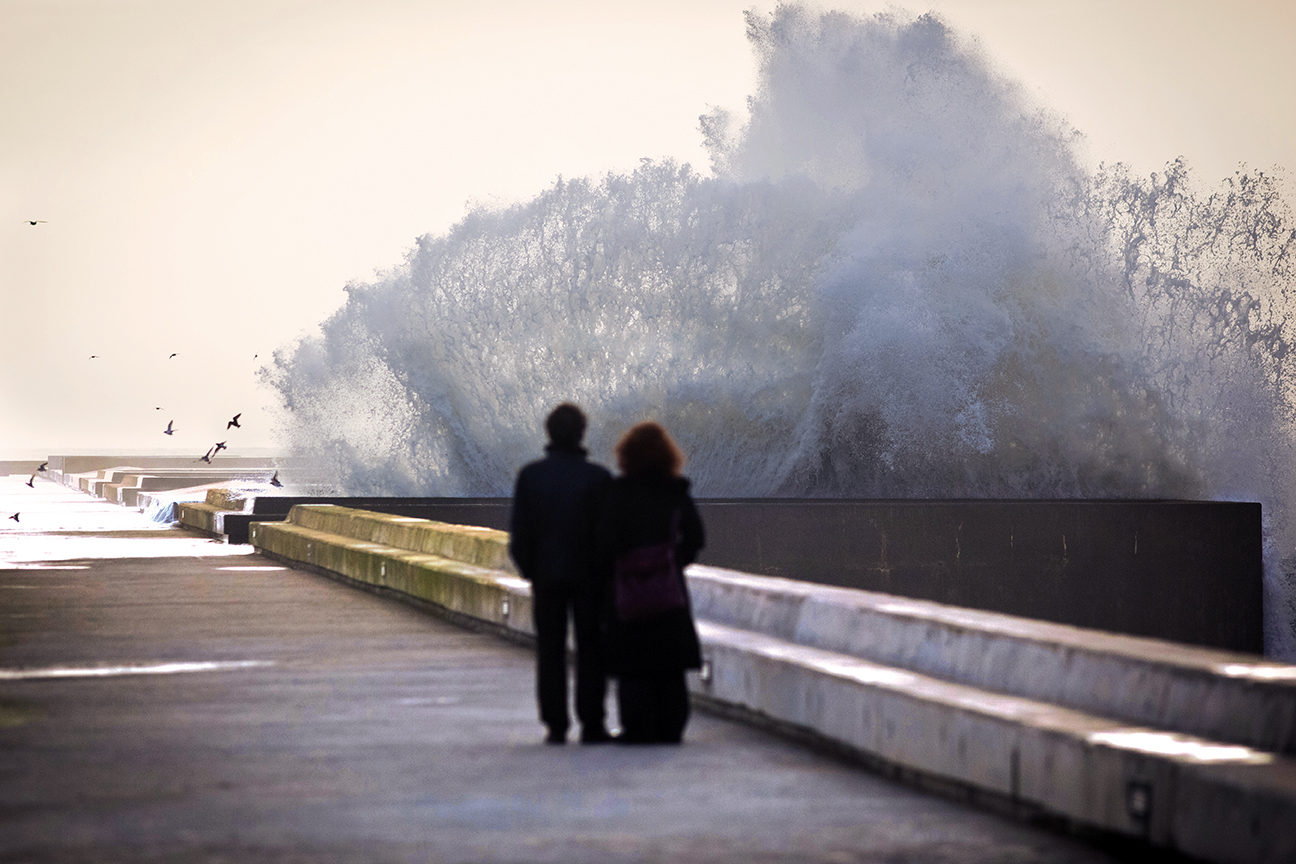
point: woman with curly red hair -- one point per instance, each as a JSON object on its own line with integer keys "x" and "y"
{"x": 650, "y": 528}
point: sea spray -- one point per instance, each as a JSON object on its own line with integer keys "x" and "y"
{"x": 897, "y": 281}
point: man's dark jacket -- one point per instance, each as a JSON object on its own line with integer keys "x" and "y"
{"x": 555, "y": 508}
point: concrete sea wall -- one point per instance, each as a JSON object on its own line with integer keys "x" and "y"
{"x": 1186, "y": 571}
{"x": 1185, "y": 747}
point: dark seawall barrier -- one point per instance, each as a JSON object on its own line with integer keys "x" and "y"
{"x": 1186, "y": 571}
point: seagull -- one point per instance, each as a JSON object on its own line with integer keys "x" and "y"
{"x": 168, "y": 430}
{"x": 94, "y": 356}
{"x": 274, "y": 481}
{"x": 14, "y": 517}
{"x": 42, "y": 466}
{"x": 36, "y": 221}
{"x": 207, "y": 458}
{"x": 235, "y": 422}
{"x": 220, "y": 445}
{"x": 31, "y": 482}
{"x": 172, "y": 356}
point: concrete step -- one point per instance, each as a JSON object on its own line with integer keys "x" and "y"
{"x": 1217, "y": 801}
{"x": 484, "y": 594}
{"x": 127, "y": 491}
{"x": 1225, "y": 696}
{"x": 484, "y": 547}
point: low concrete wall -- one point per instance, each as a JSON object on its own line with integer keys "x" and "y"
{"x": 962, "y": 697}
{"x": 86, "y": 464}
{"x": 1224, "y": 696}
{"x": 472, "y": 585}
{"x": 123, "y": 484}
{"x": 21, "y": 467}
{"x": 206, "y": 516}
{"x": 487, "y": 512}
{"x": 1186, "y": 571}
{"x": 128, "y": 492}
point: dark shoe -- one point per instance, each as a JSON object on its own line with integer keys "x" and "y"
{"x": 555, "y": 737}
{"x": 623, "y": 738}
{"x": 597, "y": 735}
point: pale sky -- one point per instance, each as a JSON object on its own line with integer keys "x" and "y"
{"x": 213, "y": 174}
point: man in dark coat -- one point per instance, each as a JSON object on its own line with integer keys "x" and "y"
{"x": 555, "y": 508}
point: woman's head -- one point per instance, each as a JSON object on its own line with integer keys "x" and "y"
{"x": 647, "y": 448}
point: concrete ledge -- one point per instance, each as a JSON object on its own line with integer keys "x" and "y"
{"x": 1225, "y": 696}
{"x": 65, "y": 467}
{"x": 208, "y": 516}
{"x": 1206, "y": 797}
{"x": 203, "y": 517}
{"x": 134, "y": 486}
{"x": 1051, "y": 759}
{"x": 484, "y": 547}
{"x": 21, "y": 467}
{"x": 172, "y": 474}
{"x": 460, "y": 587}
{"x": 127, "y": 491}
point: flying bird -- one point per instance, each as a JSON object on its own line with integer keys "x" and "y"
{"x": 42, "y": 466}
{"x": 32, "y": 482}
{"x": 274, "y": 481}
{"x": 94, "y": 356}
{"x": 168, "y": 430}
{"x": 14, "y": 517}
{"x": 235, "y": 422}
{"x": 172, "y": 356}
{"x": 207, "y": 457}
{"x": 220, "y": 445}
{"x": 36, "y": 221}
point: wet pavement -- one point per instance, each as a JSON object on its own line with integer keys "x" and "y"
{"x": 166, "y": 697}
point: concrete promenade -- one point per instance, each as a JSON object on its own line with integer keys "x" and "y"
{"x": 333, "y": 725}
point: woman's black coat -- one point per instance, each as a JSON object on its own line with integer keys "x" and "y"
{"x": 637, "y": 512}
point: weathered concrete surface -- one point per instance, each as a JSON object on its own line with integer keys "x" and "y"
{"x": 1229, "y": 697}
{"x": 127, "y": 491}
{"x": 1221, "y": 802}
{"x": 1081, "y": 766}
{"x": 375, "y": 734}
{"x": 208, "y": 515}
{"x": 23, "y": 467}
{"x": 485, "y": 592}
{"x": 123, "y": 484}
{"x": 486, "y": 512}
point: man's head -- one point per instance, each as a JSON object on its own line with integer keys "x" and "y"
{"x": 566, "y": 425}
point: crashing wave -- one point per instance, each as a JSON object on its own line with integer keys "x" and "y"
{"x": 897, "y": 281}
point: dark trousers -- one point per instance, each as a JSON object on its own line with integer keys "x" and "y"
{"x": 654, "y": 708}
{"x": 550, "y": 607}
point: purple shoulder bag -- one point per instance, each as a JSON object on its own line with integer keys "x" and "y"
{"x": 648, "y": 581}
